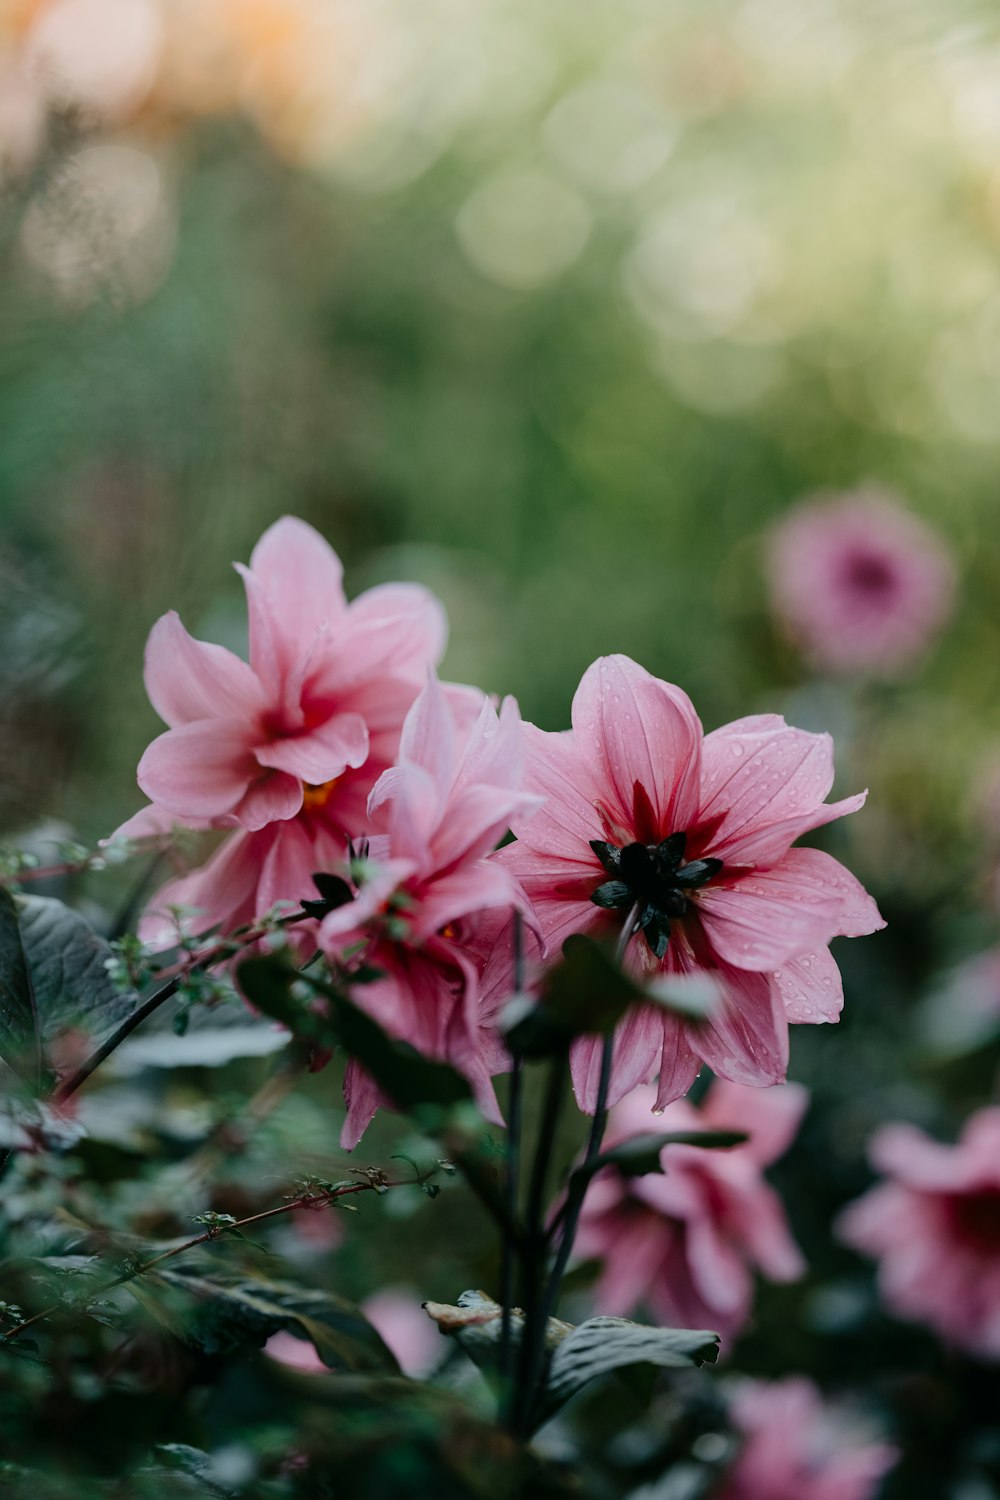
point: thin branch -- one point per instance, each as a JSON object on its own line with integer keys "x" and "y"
{"x": 311, "y": 1201}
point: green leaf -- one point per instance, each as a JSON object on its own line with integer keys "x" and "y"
{"x": 603, "y": 1345}
{"x": 641, "y": 1153}
{"x": 67, "y": 961}
{"x": 584, "y": 995}
{"x": 411, "y": 1081}
{"x": 20, "y": 1039}
{"x": 221, "y": 1314}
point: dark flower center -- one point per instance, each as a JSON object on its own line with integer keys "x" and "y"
{"x": 654, "y": 879}
{"x": 870, "y": 574}
{"x": 976, "y": 1218}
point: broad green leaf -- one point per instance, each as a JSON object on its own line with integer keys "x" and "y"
{"x": 642, "y": 1153}
{"x": 410, "y": 1080}
{"x": 67, "y": 962}
{"x": 603, "y": 1345}
{"x": 20, "y": 1039}
{"x": 586, "y": 994}
{"x": 221, "y": 1314}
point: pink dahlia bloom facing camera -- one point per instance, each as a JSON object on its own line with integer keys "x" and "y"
{"x": 795, "y": 1448}
{"x": 283, "y": 748}
{"x": 649, "y": 821}
{"x": 438, "y": 814}
{"x": 860, "y": 582}
{"x": 686, "y": 1243}
{"x": 934, "y": 1227}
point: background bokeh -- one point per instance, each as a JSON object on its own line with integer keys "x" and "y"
{"x": 558, "y": 309}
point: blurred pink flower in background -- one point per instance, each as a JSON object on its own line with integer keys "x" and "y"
{"x": 298, "y": 1354}
{"x": 795, "y": 1448}
{"x": 287, "y": 747}
{"x": 697, "y": 830}
{"x": 397, "y": 1313}
{"x": 934, "y": 1227}
{"x": 686, "y": 1242}
{"x": 436, "y": 817}
{"x": 862, "y": 584}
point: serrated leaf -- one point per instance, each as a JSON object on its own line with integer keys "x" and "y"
{"x": 221, "y": 1314}
{"x": 603, "y": 1345}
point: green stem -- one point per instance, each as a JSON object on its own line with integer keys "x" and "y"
{"x": 514, "y": 1121}
{"x": 532, "y": 1349}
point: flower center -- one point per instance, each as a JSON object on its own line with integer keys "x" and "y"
{"x": 316, "y": 796}
{"x": 976, "y": 1218}
{"x": 654, "y": 879}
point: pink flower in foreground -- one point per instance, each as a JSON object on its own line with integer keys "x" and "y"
{"x": 862, "y": 584}
{"x": 441, "y": 811}
{"x": 695, "y": 834}
{"x": 285, "y": 748}
{"x": 686, "y": 1242}
{"x": 934, "y": 1227}
{"x": 794, "y": 1448}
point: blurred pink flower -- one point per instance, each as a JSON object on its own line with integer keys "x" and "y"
{"x": 697, "y": 832}
{"x": 934, "y": 1227}
{"x": 398, "y": 1315}
{"x": 437, "y": 815}
{"x": 862, "y": 584}
{"x": 286, "y": 748}
{"x": 794, "y": 1448}
{"x": 298, "y": 1354}
{"x": 686, "y": 1242}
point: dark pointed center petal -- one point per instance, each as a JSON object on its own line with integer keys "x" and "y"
{"x": 653, "y": 878}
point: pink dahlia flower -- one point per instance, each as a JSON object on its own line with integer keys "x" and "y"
{"x": 862, "y": 584}
{"x": 648, "y": 820}
{"x": 282, "y": 749}
{"x": 397, "y": 1314}
{"x": 438, "y": 813}
{"x": 686, "y": 1243}
{"x": 934, "y": 1227}
{"x": 794, "y": 1448}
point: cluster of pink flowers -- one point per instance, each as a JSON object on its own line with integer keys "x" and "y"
{"x": 684, "y": 1243}
{"x": 934, "y": 1227}
{"x": 795, "y": 1448}
{"x": 336, "y": 731}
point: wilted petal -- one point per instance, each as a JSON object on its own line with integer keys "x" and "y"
{"x": 642, "y": 732}
{"x": 201, "y": 769}
{"x": 188, "y": 679}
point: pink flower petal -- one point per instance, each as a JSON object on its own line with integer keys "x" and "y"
{"x": 188, "y": 679}
{"x": 746, "y": 1037}
{"x": 395, "y": 628}
{"x": 567, "y": 819}
{"x": 771, "y": 1116}
{"x": 321, "y": 755}
{"x": 299, "y": 577}
{"x": 201, "y": 769}
{"x": 449, "y": 898}
{"x": 641, "y": 732}
{"x": 638, "y": 1045}
{"x": 811, "y": 987}
{"x": 273, "y": 797}
{"x": 761, "y": 921}
{"x": 220, "y": 892}
{"x": 428, "y": 739}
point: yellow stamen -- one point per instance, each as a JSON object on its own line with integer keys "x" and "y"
{"x": 315, "y": 797}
